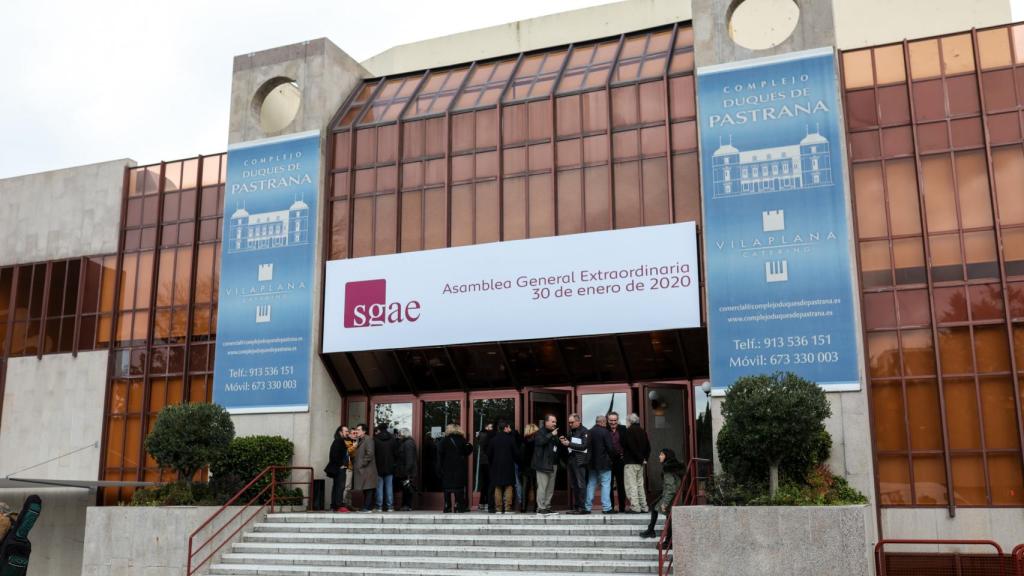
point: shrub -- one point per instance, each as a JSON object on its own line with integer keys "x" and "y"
{"x": 188, "y": 437}
{"x": 821, "y": 489}
{"x": 244, "y": 459}
{"x": 773, "y": 423}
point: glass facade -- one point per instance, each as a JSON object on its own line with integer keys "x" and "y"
{"x": 935, "y": 142}
{"x": 166, "y": 311}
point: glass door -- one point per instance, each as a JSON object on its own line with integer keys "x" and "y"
{"x": 597, "y": 401}
{"x": 486, "y": 409}
{"x": 557, "y": 402}
{"x": 667, "y": 418}
{"x": 437, "y": 412}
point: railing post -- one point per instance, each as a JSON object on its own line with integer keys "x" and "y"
{"x": 273, "y": 488}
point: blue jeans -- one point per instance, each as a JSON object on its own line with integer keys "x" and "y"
{"x": 385, "y": 491}
{"x": 605, "y": 477}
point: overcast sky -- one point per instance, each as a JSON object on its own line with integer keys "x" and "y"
{"x": 89, "y": 81}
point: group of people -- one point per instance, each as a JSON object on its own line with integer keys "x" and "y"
{"x": 372, "y": 465}
{"x": 511, "y": 468}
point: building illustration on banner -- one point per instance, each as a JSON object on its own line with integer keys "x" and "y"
{"x": 266, "y": 272}
{"x": 264, "y": 230}
{"x": 776, "y": 169}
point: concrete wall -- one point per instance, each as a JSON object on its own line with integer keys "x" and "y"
{"x": 62, "y": 213}
{"x": 525, "y": 35}
{"x": 325, "y": 76}
{"x": 144, "y": 541}
{"x": 1004, "y": 525}
{"x": 790, "y": 541}
{"x": 52, "y": 407}
{"x": 868, "y": 22}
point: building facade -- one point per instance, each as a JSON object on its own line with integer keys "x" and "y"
{"x": 577, "y": 123}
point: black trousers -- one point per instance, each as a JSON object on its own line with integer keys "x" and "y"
{"x": 619, "y": 479}
{"x": 338, "y": 489}
{"x": 484, "y": 486}
{"x": 528, "y": 480}
{"x": 407, "y": 492}
{"x": 456, "y": 496}
{"x": 578, "y": 483}
{"x": 654, "y": 520}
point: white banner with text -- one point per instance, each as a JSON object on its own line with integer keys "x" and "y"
{"x": 630, "y": 280}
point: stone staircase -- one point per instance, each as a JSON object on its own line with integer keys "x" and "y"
{"x": 421, "y": 544}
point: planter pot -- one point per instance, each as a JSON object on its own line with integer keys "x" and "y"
{"x": 773, "y": 540}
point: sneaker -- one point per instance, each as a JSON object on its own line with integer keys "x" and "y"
{"x": 609, "y": 512}
{"x": 389, "y": 509}
{"x": 365, "y": 511}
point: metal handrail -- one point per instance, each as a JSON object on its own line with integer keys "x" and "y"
{"x": 192, "y": 566}
{"x": 880, "y": 558}
{"x": 690, "y": 486}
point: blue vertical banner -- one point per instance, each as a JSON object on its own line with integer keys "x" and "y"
{"x": 265, "y": 311}
{"x": 777, "y": 235}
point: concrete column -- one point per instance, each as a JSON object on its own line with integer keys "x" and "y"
{"x": 325, "y": 76}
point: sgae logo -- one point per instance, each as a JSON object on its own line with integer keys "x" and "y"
{"x": 366, "y": 305}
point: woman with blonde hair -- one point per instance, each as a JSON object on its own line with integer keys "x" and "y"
{"x": 527, "y": 476}
{"x": 452, "y": 452}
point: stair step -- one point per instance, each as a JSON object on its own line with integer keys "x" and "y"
{"x": 522, "y": 564}
{"x": 643, "y": 551}
{"x": 428, "y": 539}
{"x": 265, "y": 570}
{"x": 607, "y": 530}
{"x": 475, "y": 518}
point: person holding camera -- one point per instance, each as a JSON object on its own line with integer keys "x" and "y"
{"x": 545, "y": 462}
{"x": 578, "y": 445}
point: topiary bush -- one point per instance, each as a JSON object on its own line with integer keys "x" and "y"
{"x": 773, "y": 424}
{"x": 188, "y": 437}
{"x": 244, "y": 459}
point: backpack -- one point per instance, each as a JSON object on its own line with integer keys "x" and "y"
{"x": 15, "y": 548}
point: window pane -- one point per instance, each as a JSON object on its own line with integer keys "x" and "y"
{"x": 930, "y": 481}
{"x": 889, "y": 66}
{"x": 972, "y": 184}
{"x": 980, "y": 252}
{"x": 940, "y": 204}
{"x": 950, "y": 304}
{"x": 908, "y": 256}
{"x": 994, "y": 48}
{"x": 857, "y": 69}
{"x": 969, "y": 481}
{"x": 962, "y": 414}
{"x": 946, "y": 260}
{"x": 901, "y": 183}
{"x": 1008, "y": 167}
{"x": 918, "y": 353}
{"x": 893, "y": 480}
{"x": 957, "y": 54}
{"x": 1004, "y": 471}
{"x": 867, "y": 185}
{"x": 875, "y": 264}
{"x": 992, "y": 349}
{"x": 955, "y": 351}
{"x": 887, "y": 400}
{"x": 923, "y": 415}
{"x": 924, "y": 59}
{"x": 883, "y": 354}
{"x": 998, "y": 414}
{"x": 879, "y": 310}
{"x": 913, "y": 307}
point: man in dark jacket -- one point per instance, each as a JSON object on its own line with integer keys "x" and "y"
{"x": 386, "y": 451}
{"x": 600, "y": 465}
{"x": 636, "y": 448}
{"x": 337, "y": 469}
{"x": 545, "y": 462}
{"x": 501, "y": 453}
{"x": 618, "y": 464}
{"x": 578, "y": 445}
{"x": 405, "y": 467}
{"x": 483, "y": 466}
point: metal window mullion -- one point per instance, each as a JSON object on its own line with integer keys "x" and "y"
{"x": 146, "y": 378}
{"x": 922, "y": 209}
{"x": 611, "y": 159}
{"x": 670, "y": 170}
{"x": 186, "y": 380}
{"x": 1000, "y": 255}
{"x": 9, "y": 328}
{"x": 367, "y": 105}
{"x": 552, "y": 101}
{"x": 83, "y": 268}
{"x": 45, "y": 307}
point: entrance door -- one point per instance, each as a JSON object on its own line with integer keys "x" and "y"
{"x": 597, "y": 401}
{"x": 437, "y": 412}
{"x": 668, "y": 419}
{"x": 542, "y": 402}
{"x": 486, "y": 409}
